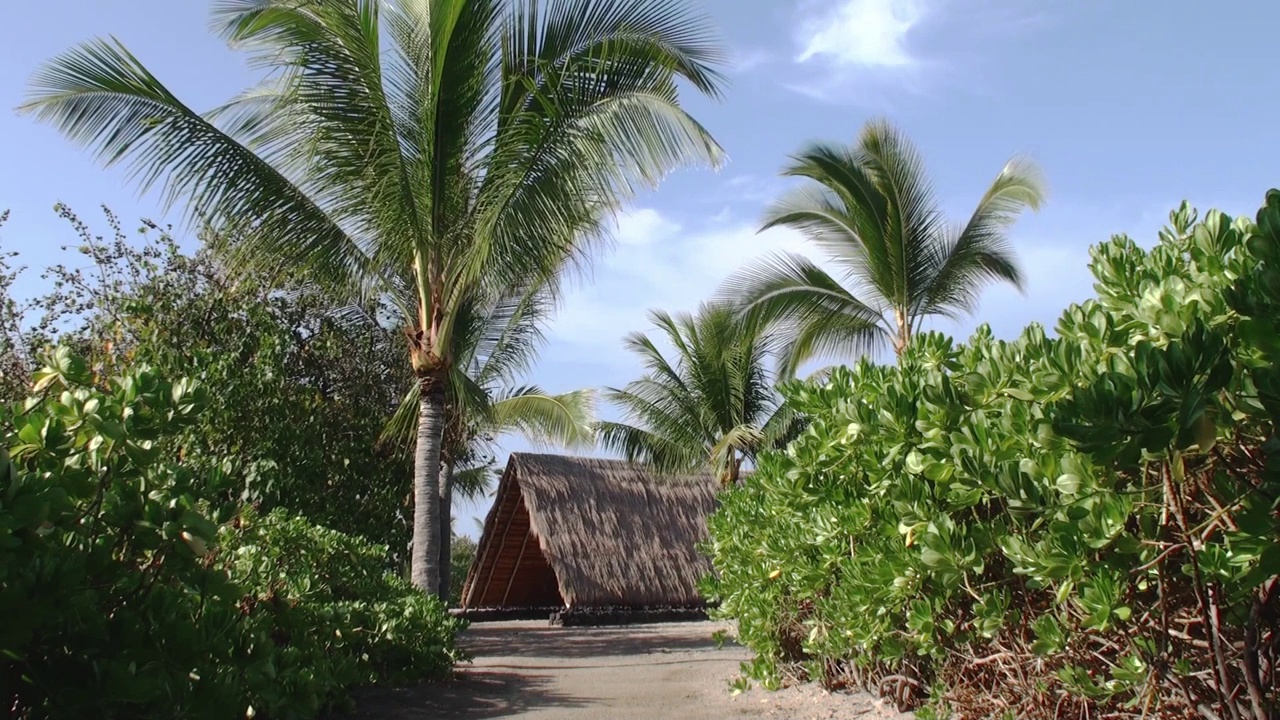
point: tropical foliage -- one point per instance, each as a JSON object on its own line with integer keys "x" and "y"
{"x": 713, "y": 406}
{"x": 1074, "y": 526}
{"x": 15, "y": 360}
{"x": 303, "y": 387}
{"x": 422, "y": 152}
{"x": 870, "y": 208}
{"x": 131, "y": 587}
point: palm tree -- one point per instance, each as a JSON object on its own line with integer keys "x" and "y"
{"x": 494, "y": 345}
{"x": 871, "y": 209}
{"x": 713, "y": 407}
{"x": 464, "y": 144}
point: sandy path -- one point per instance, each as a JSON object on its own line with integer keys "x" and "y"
{"x": 642, "y": 672}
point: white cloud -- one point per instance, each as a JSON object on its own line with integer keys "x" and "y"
{"x": 643, "y": 227}
{"x": 748, "y": 188}
{"x": 722, "y": 217}
{"x": 661, "y": 265}
{"x": 862, "y": 33}
{"x": 870, "y": 52}
{"x": 864, "y": 50}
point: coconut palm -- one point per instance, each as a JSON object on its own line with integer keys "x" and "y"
{"x": 712, "y": 406}
{"x": 871, "y": 209}
{"x": 463, "y": 144}
{"x": 494, "y": 345}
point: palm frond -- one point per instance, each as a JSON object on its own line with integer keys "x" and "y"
{"x": 472, "y": 483}
{"x": 836, "y": 336}
{"x": 871, "y": 207}
{"x": 402, "y": 426}
{"x": 514, "y": 332}
{"x": 443, "y": 79}
{"x": 739, "y": 441}
{"x": 638, "y": 445}
{"x": 665, "y": 32}
{"x": 706, "y": 405}
{"x": 662, "y": 410}
{"x": 843, "y": 211}
{"x": 100, "y": 96}
{"x": 331, "y": 50}
{"x": 783, "y": 426}
{"x": 979, "y": 252}
{"x": 566, "y": 420}
{"x": 589, "y": 112}
{"x": 809, "y": 311}
{"x": 915, "y": 221}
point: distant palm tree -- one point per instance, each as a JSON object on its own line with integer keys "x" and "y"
{"x": 871, "y": 209}
{"x": 712, "y": 408}
{"x": 466, "y": 145}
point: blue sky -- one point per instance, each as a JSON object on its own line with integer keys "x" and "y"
{"x": 1127, "y": 106}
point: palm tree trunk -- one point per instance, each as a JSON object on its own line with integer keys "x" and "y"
{"x": 425, "y": 559}
{"x": 731, "y": 471}
{"x": 904, "y": 332}
{"x": 446, "y": 530}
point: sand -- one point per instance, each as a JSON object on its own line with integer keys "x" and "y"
{"x": 641, "y": 672}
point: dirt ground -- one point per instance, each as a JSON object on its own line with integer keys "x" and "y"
{"x": 641, "y": 672}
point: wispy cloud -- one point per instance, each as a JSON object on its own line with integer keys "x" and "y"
{"x": 862, "y": 33}
{"x": 869, "y": 51}
{"x": 746, "y": 60}
{"x": 658, "y": 263}
{"x": 643, "y": 226}
{"x": 754, "y": 189}
{"x": 855, "y": 48}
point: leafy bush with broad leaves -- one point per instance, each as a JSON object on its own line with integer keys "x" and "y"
{"x": 300, "y": 389}
{"x": 127, "y": 592}
{"x": 1044, "y": 527}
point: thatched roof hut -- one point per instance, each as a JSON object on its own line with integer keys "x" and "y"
{"x": 570, "y": 532}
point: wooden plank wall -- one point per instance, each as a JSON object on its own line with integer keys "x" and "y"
{"x": 512, "y": 572}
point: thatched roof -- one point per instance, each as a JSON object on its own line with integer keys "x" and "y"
{"x": 579, "y": 532}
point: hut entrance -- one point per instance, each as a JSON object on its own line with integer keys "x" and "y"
{"x": 514, "y": 572}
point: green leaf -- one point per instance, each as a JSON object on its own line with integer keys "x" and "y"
{"x": 1019, "y": 394}
{"x": 1068, "y": 484}
{"x": 914, "y": 463}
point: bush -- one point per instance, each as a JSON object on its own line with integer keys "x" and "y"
{"x": 302, "y": 389}
{"x": 1051, "y": 526}
{"x": 126, "y": 592}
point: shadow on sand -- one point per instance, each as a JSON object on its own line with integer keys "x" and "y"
{"x": 517, "y": 669}
{"x": 567, "y": 643}
{"x": 474, "y": 694}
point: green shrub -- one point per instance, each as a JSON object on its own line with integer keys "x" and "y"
{"x": 126, "y": 593}
{"x": 303, "y": 388}
{"x": 1079, "y": 524}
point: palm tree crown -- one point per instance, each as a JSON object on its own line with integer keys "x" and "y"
{"x": 428, "y": 150}
{"x": 870, "y": 208}
{"x": 714, "y": 406}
